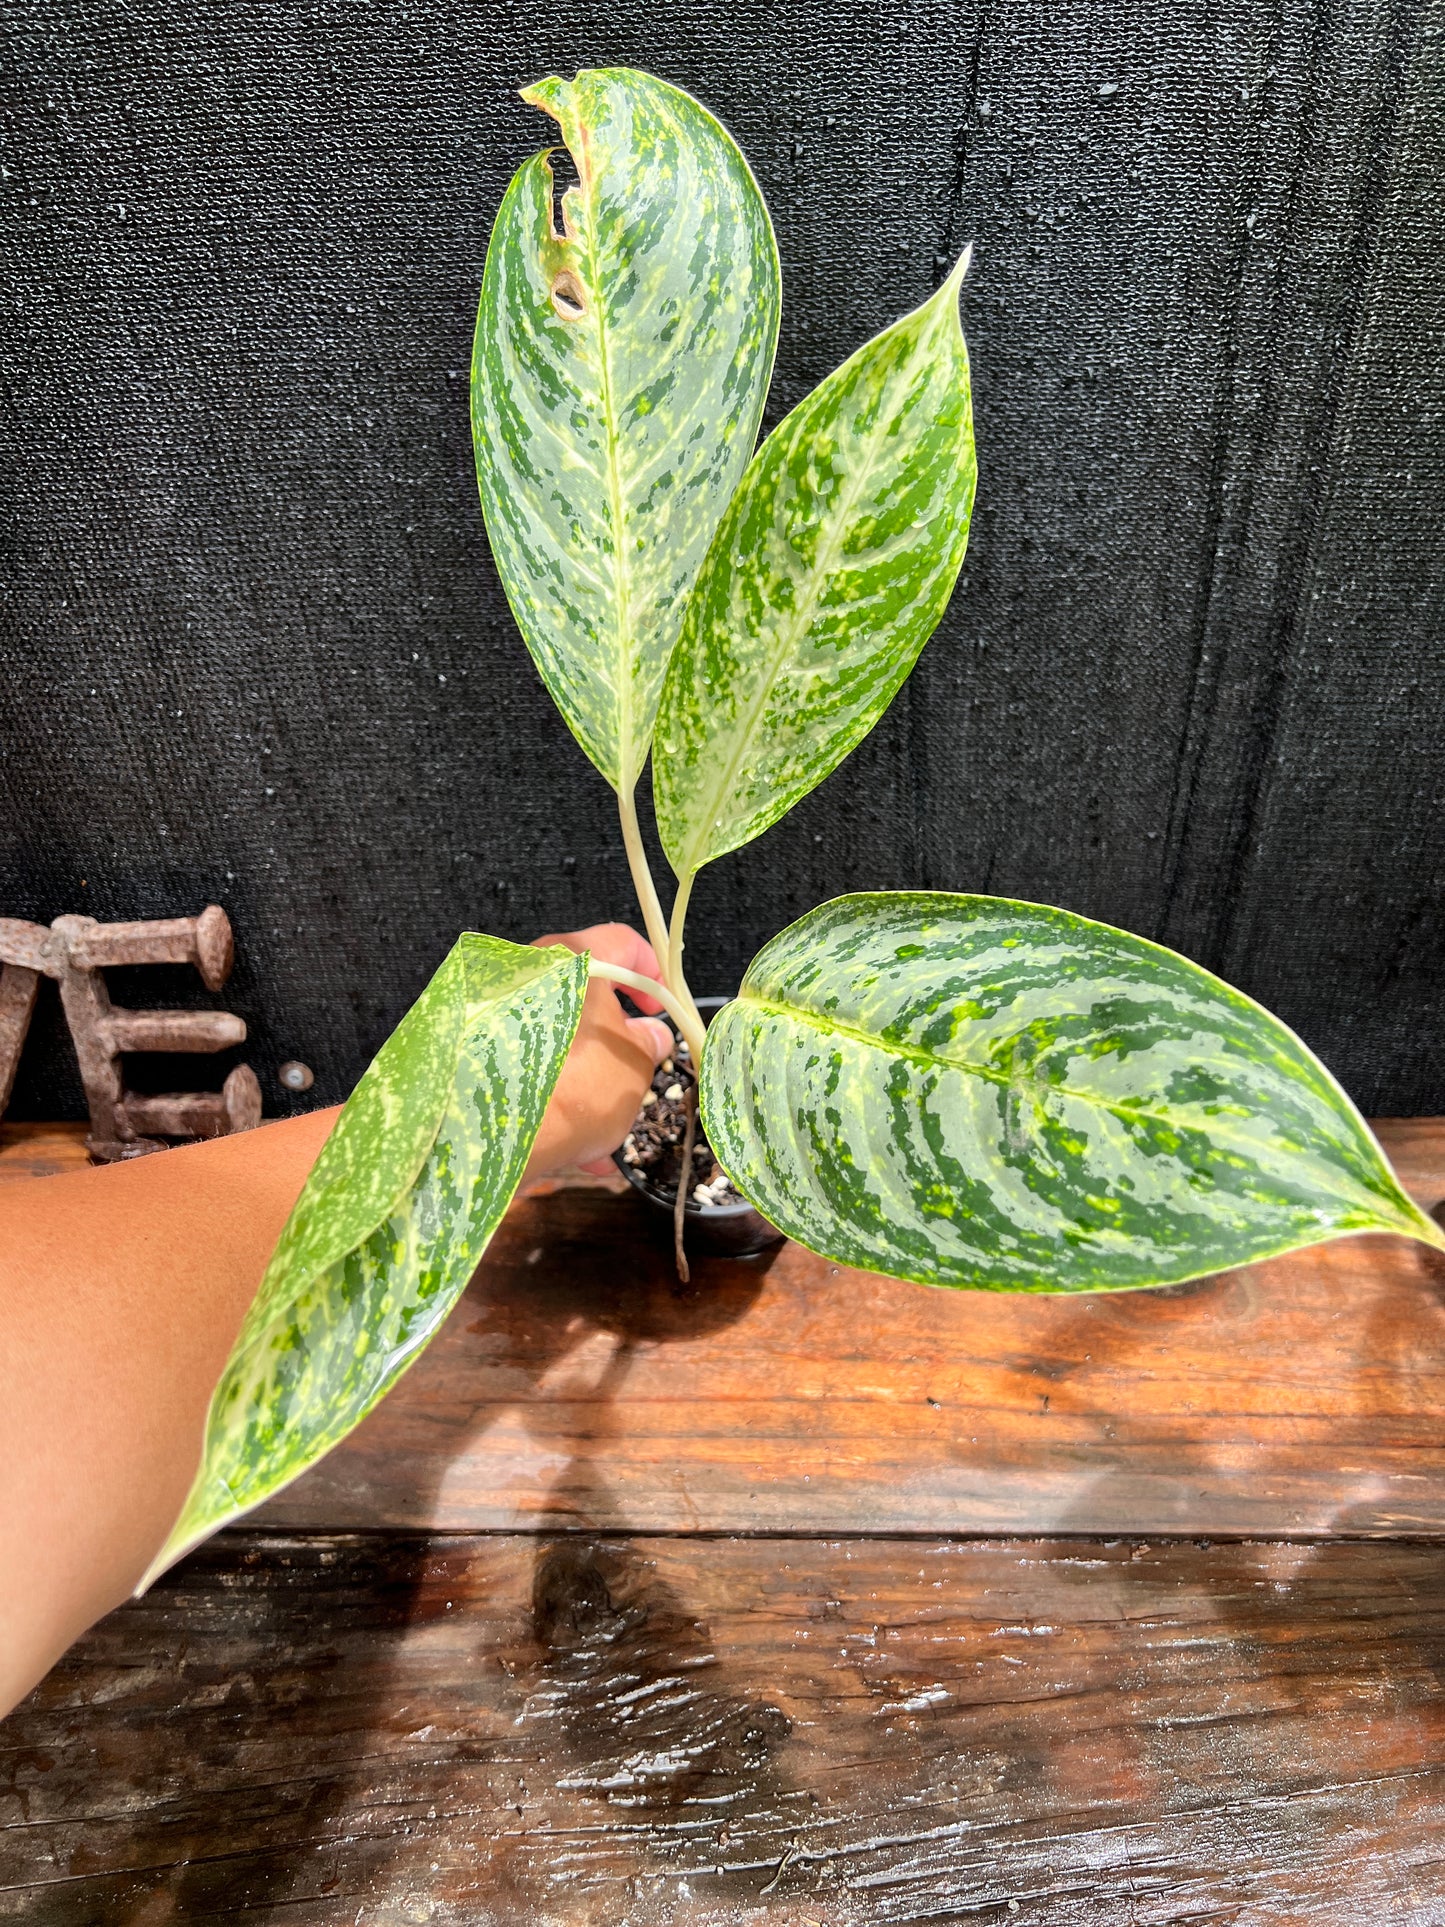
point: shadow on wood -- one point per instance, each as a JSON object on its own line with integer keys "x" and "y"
{"x": 786, "y": 1394}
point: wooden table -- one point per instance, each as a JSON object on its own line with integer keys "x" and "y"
{"x": 799, "y": 1596}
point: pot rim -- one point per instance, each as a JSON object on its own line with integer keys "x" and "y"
{"x": 692, "y": 1208}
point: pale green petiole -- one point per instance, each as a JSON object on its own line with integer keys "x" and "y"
{"x": 683, "y": 1014}
{"x": 675, "y": 945}
{"x": 667, "y": 944}
{"x": 647, "y": 897}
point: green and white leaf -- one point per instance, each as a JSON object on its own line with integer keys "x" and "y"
{"x": 966, "y": 1090}
{"x": 618, "y": 379}
{"x": 393, "y": 1220}
{"x": 826, "y": 577}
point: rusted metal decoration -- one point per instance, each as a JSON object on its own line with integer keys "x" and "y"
{"x": 75, "y": 951}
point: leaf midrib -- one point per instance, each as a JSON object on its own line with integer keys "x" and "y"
{"x": 625, "y": 640}
{"x": 929, "y": 1060}
{"x": 821, "y": 568}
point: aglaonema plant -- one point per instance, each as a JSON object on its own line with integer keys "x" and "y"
{"x": 954, "y": 1089}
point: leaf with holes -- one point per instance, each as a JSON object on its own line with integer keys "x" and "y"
{"x": 618, "y": 378}
{"x": 826, "y": 577}
{"x": 394, "y": 1217}
{"x": 966, "y": 1090}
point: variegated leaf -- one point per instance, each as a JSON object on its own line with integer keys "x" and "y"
{"x": 967, "y": 1090}
{"x": 618, "y": 379}
{"x": 826, "y": 577}
{"x": 394, "y": 1217}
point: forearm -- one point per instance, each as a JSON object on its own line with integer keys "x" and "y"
{"x": 121, "y": 1292}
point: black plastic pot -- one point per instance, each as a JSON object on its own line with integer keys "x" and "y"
{"x": 723, "y": 1230}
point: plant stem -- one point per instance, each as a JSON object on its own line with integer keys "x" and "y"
{"x": 684, "y": 1185}
{"x": 684, "y": 1015}
{"x": 642, "y": 882}
{"x": 676, "y": 981}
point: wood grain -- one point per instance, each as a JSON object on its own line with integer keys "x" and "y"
{"x": 576, "y": 1382}
{"x": 41, "y": 1150}
{"x": 581, "y": 1724}
{"x": 578, "y": 1729}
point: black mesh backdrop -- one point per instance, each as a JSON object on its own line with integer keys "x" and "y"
{"x": 254, "y": 648}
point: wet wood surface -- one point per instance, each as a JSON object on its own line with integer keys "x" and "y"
{"x": 703, "y": 1626}
{"x": 578, "y": 1729}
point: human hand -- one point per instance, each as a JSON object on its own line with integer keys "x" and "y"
{"x": 610, "y": 1063}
